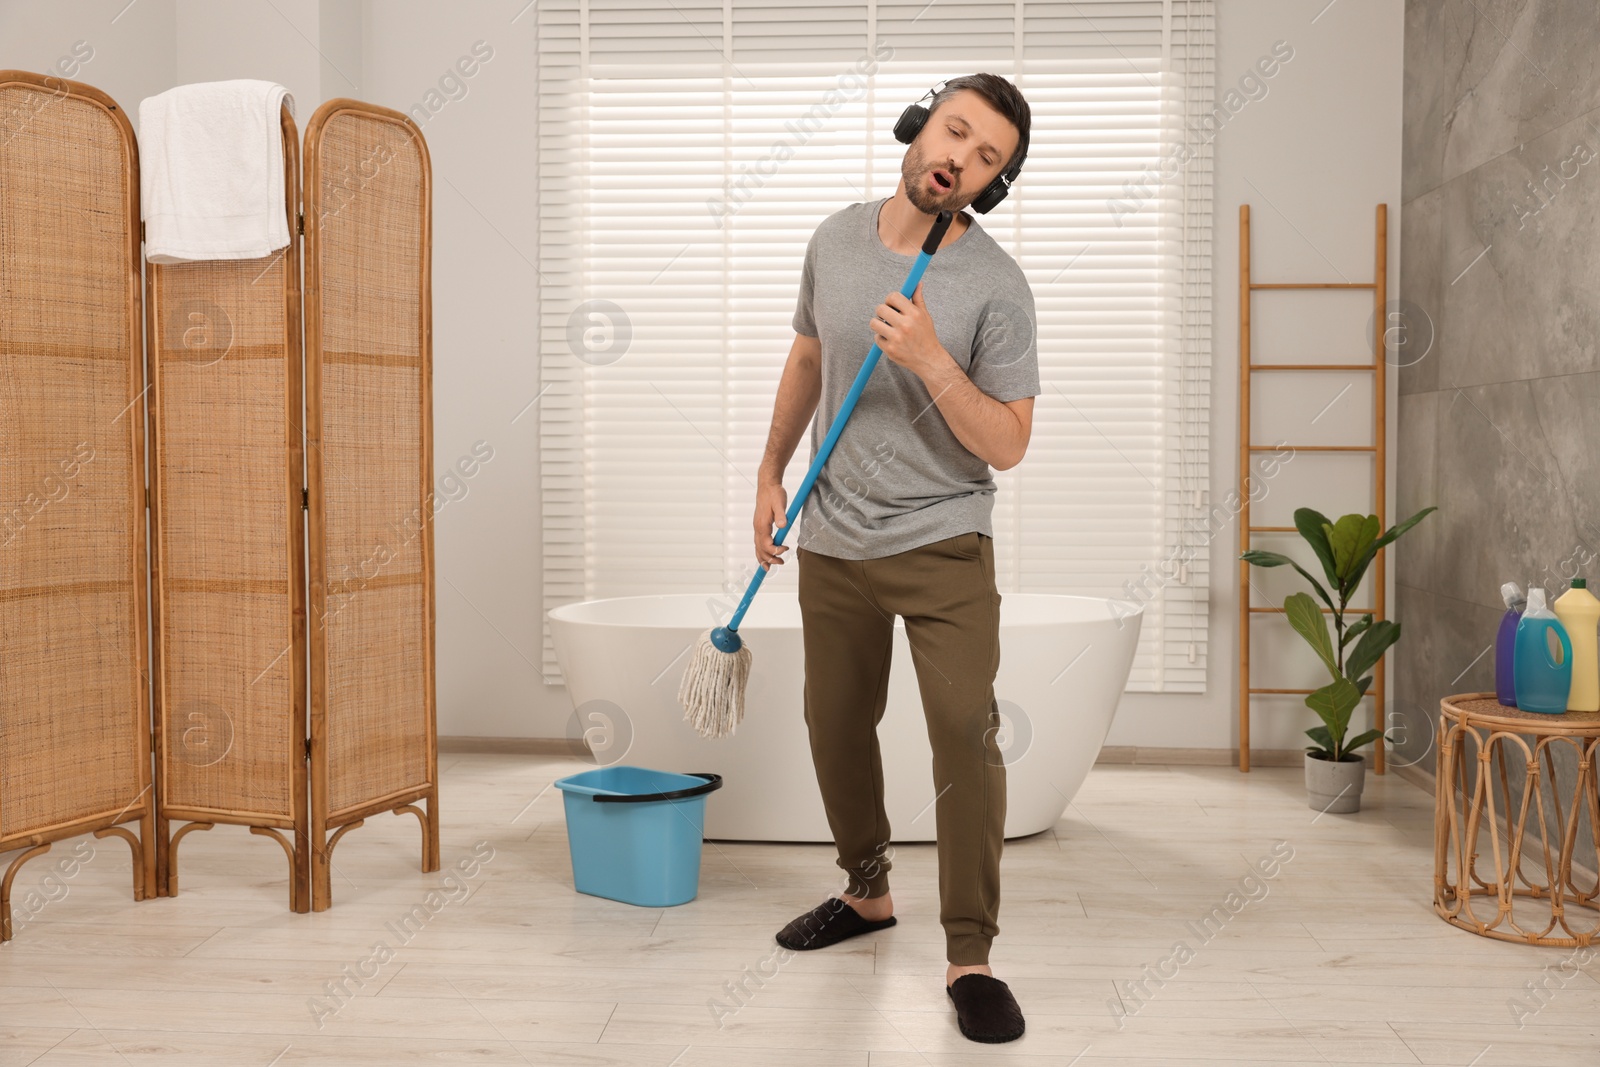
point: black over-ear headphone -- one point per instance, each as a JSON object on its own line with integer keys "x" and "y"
{"x": 914, "y": 117}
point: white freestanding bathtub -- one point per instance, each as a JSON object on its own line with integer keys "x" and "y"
{"x": 1064, "y": 661}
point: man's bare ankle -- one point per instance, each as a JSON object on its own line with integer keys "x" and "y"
{"x": 956, "y": 970}
{"x": 870, "y": 908}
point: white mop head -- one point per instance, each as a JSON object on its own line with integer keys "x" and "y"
{"x": 712, "y": 690}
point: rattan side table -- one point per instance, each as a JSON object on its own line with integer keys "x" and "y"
{"x": 1478, "y": 726}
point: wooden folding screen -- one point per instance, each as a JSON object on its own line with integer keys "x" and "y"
{"x": 228, "y": 565}
{"x": 74, "y": 719}
{"x": 219, "y": 703}
{"x": 369, "y": 389}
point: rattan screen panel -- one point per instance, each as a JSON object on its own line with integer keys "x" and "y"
{"x": 229, "y": 558}
{"x": 74, "y": 681}
{"x": 369, "y": 412}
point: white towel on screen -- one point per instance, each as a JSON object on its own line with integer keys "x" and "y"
{"x": 211, "y": 171}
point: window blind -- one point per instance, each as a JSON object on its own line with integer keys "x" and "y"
{"x": 687, "y": 151}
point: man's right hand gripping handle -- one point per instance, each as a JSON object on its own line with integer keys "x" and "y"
{"x": 772, "y": 508}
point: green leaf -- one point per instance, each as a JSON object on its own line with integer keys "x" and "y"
{"x": 1361, "y": 566}
{"x": 1363, "y": 683}
{"x": 1362, "y": 739}
{"x": 1320, "y": 735}
{"x": 1333, "y": 704}
{"x": 1311, "y": 523}
{"x": 1396, "y": 531}
{"x": 1350, "y": 538}
{"x": 1355, "y": 630}
{"x": 1359, "y": 571}
{"x": 1373, "y": 644}
{"x": 1274, "y": 559}
{"x": 1307, "y": 620}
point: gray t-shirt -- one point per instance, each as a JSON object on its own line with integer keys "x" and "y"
{"x": 898, "y": 476}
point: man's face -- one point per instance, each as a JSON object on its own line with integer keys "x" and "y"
{"x": 967, "y": 143}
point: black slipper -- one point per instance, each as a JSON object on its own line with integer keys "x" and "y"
{"x": 828, "y": 924}
{"x": 985, "y": 1009}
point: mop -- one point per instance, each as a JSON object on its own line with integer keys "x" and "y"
{"x": 712, "y": 690}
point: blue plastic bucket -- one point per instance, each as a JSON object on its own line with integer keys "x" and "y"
{"x": 635, "y": 834}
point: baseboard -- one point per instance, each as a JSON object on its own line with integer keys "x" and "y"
{"x": 1146, "y": 755}
{"x": 1138, "y": 754}
{"x": 1200, "y": 757}
{"x": 527, "y": 746}
{"x": 1414, "y": 774}
{"x": 1227, "y": 757}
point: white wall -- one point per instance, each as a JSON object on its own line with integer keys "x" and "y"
{"x": 134, "y": 49}
{"x": 485, "y": 308}
{"x": 1312, "y": 157}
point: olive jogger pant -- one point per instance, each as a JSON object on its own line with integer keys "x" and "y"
{"x": 946, "y": 592}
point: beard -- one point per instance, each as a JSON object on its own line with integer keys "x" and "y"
{"x": 914, "y": 170}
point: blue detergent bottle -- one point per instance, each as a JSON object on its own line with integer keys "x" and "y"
{"x": 1505, "y": 644}
{"x": 1543, "y": 671}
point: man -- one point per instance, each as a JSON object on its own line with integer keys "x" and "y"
{"x": 899, "y": 521}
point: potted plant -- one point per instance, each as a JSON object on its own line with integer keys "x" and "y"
{"x": 1335, "y": 772}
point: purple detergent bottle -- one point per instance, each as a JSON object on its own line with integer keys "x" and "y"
{"x": 1505, "y": 644}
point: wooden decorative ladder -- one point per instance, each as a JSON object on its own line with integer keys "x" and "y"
{"x": 1378, "y": 365}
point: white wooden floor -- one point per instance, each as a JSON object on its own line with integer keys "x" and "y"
{"x": 1337, "y": 959}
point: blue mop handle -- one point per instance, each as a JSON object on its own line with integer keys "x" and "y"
{"x": 929, "y": 247}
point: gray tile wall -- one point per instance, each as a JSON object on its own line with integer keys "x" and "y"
{"x": 1498, "y": 422}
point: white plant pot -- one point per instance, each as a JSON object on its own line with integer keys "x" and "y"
{"x": 1335, "y": 787}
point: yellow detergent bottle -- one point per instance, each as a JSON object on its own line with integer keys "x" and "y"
{"x": 1579, "y": 612}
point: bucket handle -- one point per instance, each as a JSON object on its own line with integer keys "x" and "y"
{"x": 712, "y": 783}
